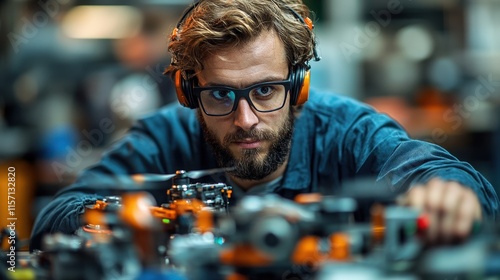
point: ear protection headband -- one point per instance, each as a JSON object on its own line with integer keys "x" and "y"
{"x": 299, "y": 75}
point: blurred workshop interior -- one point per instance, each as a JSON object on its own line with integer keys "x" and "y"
{"x": 74, "y": 74}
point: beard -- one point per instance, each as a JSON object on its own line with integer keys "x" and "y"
{"x": 250, "y": 165}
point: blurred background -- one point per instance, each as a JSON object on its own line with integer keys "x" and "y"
{"x": 74, "y": 74}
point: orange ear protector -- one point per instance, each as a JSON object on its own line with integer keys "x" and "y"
{"x": 300, "y": 74}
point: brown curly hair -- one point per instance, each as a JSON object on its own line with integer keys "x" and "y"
{"x": 217, "y": 24}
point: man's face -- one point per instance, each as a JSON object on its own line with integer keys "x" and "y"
{"x": 256, "y": 143}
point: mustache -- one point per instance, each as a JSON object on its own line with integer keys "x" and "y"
{"x": 240, "y": 134}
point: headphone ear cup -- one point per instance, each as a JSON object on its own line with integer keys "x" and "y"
{"x": 181, "y": 96}
{"x": 300, "y": 85}
{"x": 304, "y": 89}
{"x": 183, "y": 90}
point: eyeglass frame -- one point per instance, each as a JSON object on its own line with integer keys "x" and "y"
{"x": 243, "y": 93}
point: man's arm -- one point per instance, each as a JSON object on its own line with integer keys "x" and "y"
{"x": 136, "y": 153}
{"x": 162, "y": 142}
{"x": 450, "y": 191}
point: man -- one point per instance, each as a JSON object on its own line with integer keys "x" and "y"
{"x": 243, "y": 69}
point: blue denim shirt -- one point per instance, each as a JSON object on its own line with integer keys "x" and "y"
{"x": 335, "y": 140}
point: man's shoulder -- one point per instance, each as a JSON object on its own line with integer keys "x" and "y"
{"x": 331, "y": 103}
{"x": 169, "y": 121}
{"x": 170, "y": 113}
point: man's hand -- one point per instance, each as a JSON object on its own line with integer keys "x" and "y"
{"x": 451, "y": 208}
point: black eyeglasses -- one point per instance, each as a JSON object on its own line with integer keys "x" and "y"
{"x": 263, "y": 97}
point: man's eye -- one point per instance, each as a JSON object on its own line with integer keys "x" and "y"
{"x": 264, "y": 91}
{"x": 222, "y": 94}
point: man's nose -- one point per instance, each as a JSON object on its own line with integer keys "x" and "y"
{"x": 244, "y": 115}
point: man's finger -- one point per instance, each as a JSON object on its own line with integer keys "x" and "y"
{"x": 415, "y": 197}
{"x": 448, "y": 208}
{"x": 435, "y": 190}
{"x": 466, "y": 214}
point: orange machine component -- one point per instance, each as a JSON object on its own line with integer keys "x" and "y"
{"x": 96, "y": 229}
{"x": 178, "y": 208}
{"x": 100, "y": 205}
{"x": 187, "y": 205}
{"x": 307, "y": 251}
{"x": 306, "y": 198}
{"x": 244, "y": 255}
{"x": 340, "y": 247}
{"x": 378, "y": 225}
{"x": 229, "y": 192}
{"x": 97, "y": 226}
{"x": 136, "y": 210}
{"x": 204, "y": 221}
{"x": 95, "y": 217}
{"x": 163, "y": 213}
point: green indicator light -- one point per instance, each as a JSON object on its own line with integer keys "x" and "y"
{"x": 166, "y": 221}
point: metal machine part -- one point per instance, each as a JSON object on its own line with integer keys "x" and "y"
{"x": 214, "y": 196}
{"x": 73, "y": 257}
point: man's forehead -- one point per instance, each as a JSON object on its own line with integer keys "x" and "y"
{"x": 260, "y": 59}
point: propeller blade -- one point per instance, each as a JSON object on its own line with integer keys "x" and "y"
{"x": 144, "y": 178}
{"x": 138, "y": 182}
{"x": 196, "y": 174}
